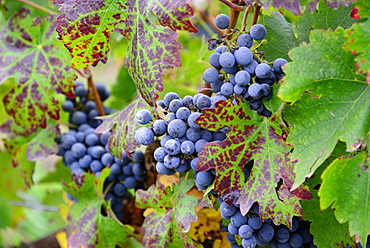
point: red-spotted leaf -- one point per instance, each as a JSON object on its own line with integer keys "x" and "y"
{"x": 250, "y": 137}
{"x": 123, "y": 126}
{"x": 175, "y": 211}
{"x": 85, "y": 28}
{"x": 358, "y": 39}
{"x": 87, "y": 226}
{"x": 30, "y": 53}
{"x": 294, "y": 5}
{"x": 26, "y": 167}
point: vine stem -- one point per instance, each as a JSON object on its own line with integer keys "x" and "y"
{"x": 233, "y": 19}
{"x": 232, "y": 5}
{"x": 245, "y": 16}
{"x": 255, "y": 13}
{"x": 35, "y": 5}
{"x": 91, "y": 85}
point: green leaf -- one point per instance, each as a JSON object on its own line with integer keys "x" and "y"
{"x": 26, "y": 167}
{"x": 324, "y": 222}
{"x": 324, "y": 18}
{"x": 122, "y": 94}
{"x": 167, "y": 227}
{"x": 250, "y": 137}
{"x": 85, "y": 30}
{"x": 30, "y": 53}
{"x": 88, "y": 227}
{"x": 335, "y": 104}
{"x": 358, "y": 40}
{"x": 280, "y": 37}
{"x": 124, "y": 125}
{"x": 346, "y": 183}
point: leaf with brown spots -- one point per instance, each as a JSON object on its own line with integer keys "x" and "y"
{"x": 123, "y": 126}
{"x": 250, "y": 137}
{"x": 168, "y": 225}
{"x": 30, "y": 53}
{"x": 86, "y": 26}
{"x": 87, "y": 227}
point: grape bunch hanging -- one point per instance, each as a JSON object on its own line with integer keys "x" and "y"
{"x": 85, "y": 151}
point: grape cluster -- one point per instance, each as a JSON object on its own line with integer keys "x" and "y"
{"x": 83, "y": 150}
{"x": 238, "y": 70}
{"x": 182, "y": 139}
{"x": 250, "y": 231}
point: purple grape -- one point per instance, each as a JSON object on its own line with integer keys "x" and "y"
{"x": 257, "y": 32}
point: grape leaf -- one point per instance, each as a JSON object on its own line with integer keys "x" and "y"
{"x": 175, "y": 211}
{"x": 351, "y": 204}
{"x": 358, "y": 40}
{"x": 124, "y": 125}
{"x": 294, "y": 5}
{"x": 250, "y": 137}
{"x": 30, "y": 53}
{"x": 324, "y": 18}
{"x": 87, "y": 226}
{"x": 85, "y": 29}
{"x": 324, "y": 222}
{"x": 26, "y": 167}
{"x": 280, "y": 36}
{"x": 336, "y": 105}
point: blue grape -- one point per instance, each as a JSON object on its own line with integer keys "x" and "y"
{"x": 78, "y": 150}
{"x": 231, "y": 70}
{"x": 295, "y": 225}
{"x": 187, "y": 147}
{"x": 227, "y": 60}
{"x": 203, "y": 101}
{"x": 230, "y": 238}
{"x": 161, "y": 168}
{"x": 305, "y": 233}
{"x": 227, "y": 210}
{"x": 219, "y": 135}
{"x": 259, "y": 242}
{"x": 221, "y": 49}
{"x": 138, "y": 157}
{"x": 227, "y": 89}
{"x": 171, "y": 117}
{"x": 251, "y": 68}
{"x": 278, "y": 63}
{"x": 216, "y": 98}
{"x": 239, "y": 90}
{"x": 130, "y": 182}
{"x": 214, "y": 60}
{"x": 193, "y": 163}
{"x": 187, "y": 101}
{"x": 107, "y": 158}
{"x": 143, "y": 116}
{"x": 173, "y": 147}
{"x": 115, "y": 169}
{"x": 217, "y": 85}
{"x": 210, "y": 75}
{"x": 104, "y": 138}
{"x": 255, "y": 91}
{"x": 90, "y": 105}
{"x": 68, "y": 106}
{"x": 222, "y": 21}
{"x": 127, "y": 169}
{"x": 83, "y": 127}
{"x": 207, "y": 135}
{"x": 159, "y": 127}
{"x": 96, "y": 166}
{"x": 67, "y": 141}
{"x": 192, "y": 118}
{"x": 258, "y": 31}
{"x": 245, "y": 40}
{"x": 183, "y": 113}
{"x": 242, "y": 78}
{"x": 266, "y": 91}
{"x": 263, "y": 70}
{"x": 80, "y": 91}
{"x": 255, "y": 222}
{"x": 169, "y": 97}
{"x": 171, "y": 162}
{"x": 245, "y": 231}
{"x": 138, "y": 169}
{"x": 282, "y": 235}
{"x": 85, "y": 161}
{"x": 102, "y": 90}
{"x": 176, "y": 128}
{"x": 233, "y": 229}
{"x": 161, "y": 103}
{"x": 165, "y": 139}
{"x": 97, "y": 151}
{"x": 175, "y": 104}
{"x": 199, "y": 144}
{"x": 296, "y": 240}
{"x": 283, "y": 245}
{"x": 159, "y": 154}
{"x": 92, "y": 114}
{"x": 238, "y": 219}
{"x": 243, "y": 56}
{"x": 249, "y": 243}
{"x": 204, "y": 178}
{"x": 75, "y": 165}
{"x": 91, "y": 139}
{"x": 184, "y": 167}
{"x": 256, "y": 105}
{"x": 266, "y": 233}
{"x": 119, "y": 189}
{"x": 144, "y": 136}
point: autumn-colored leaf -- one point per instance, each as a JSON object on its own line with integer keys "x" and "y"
{"x": 30, "y": 53}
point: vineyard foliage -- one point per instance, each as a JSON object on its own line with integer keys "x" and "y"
{"x": 310, "y": 159}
